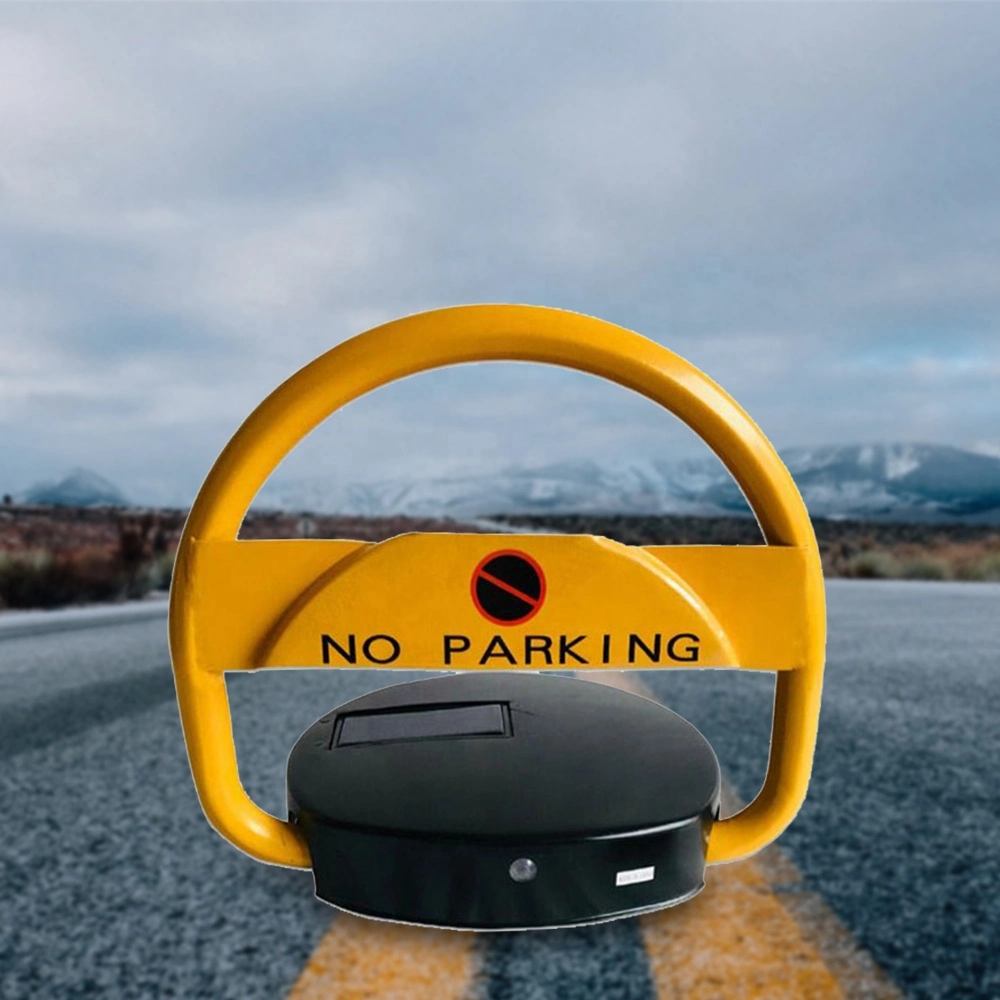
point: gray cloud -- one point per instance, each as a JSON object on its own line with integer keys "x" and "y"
{"x": 194, "y": 201}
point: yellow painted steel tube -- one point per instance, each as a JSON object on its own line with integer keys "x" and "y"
{"x": 491, "y": 333}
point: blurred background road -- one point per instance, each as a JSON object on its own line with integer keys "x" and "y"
{"x": 113, "y": 884}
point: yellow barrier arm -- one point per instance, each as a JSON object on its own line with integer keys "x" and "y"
{"x": 471, "y": 334}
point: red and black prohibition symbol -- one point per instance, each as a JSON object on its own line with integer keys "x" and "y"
{"x": 508, "y": 587}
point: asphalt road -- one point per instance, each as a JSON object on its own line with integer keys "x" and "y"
{"x": 112, "y": 883}
{"x": 900, "y": 832}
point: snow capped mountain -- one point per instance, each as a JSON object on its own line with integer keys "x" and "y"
{"x": 884, "y": 481}
{"x": 909, "y": 482}
{"x": 81, "y": 488}
{"x": 576, "y": 485}
{"x": 924, "y": 481}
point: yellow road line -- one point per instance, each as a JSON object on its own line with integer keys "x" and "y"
{"x": 360, "y": 959}
{"x": 743, "y": 938}
{"x": 735, "y": 940}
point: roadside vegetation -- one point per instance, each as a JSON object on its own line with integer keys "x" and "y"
{"x": 971, "y": 561}
{"x": 129, "y": 558}
{"x": 55, "y": 556}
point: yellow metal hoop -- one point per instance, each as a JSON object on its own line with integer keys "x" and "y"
{"x": 491, "y": 333}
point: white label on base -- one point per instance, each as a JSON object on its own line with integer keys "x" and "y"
{"x": 635, "y": 875}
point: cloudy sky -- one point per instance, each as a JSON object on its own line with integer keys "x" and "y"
{"x": 195, "y": 201}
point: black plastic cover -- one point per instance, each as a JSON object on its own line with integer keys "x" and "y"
{"x": 594, "y": 785}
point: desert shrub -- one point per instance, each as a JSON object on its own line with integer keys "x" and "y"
{"x": 872, "y": 565}
{"x": 23, "y": 578}
{"x": 90, "y": 574}
{"x": 988, "y": 568}
{"x": 975, "y": 560}
{"x": 968, "y": 566}
{"x": 924, "y": 567}
{"x": 44, "y": 579}
{"x": 159, "y": 572}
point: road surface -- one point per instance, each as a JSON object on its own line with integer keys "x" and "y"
{"x": 112, "y": 883}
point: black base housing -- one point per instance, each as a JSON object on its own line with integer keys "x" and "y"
{"x": 417, "y": 801}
